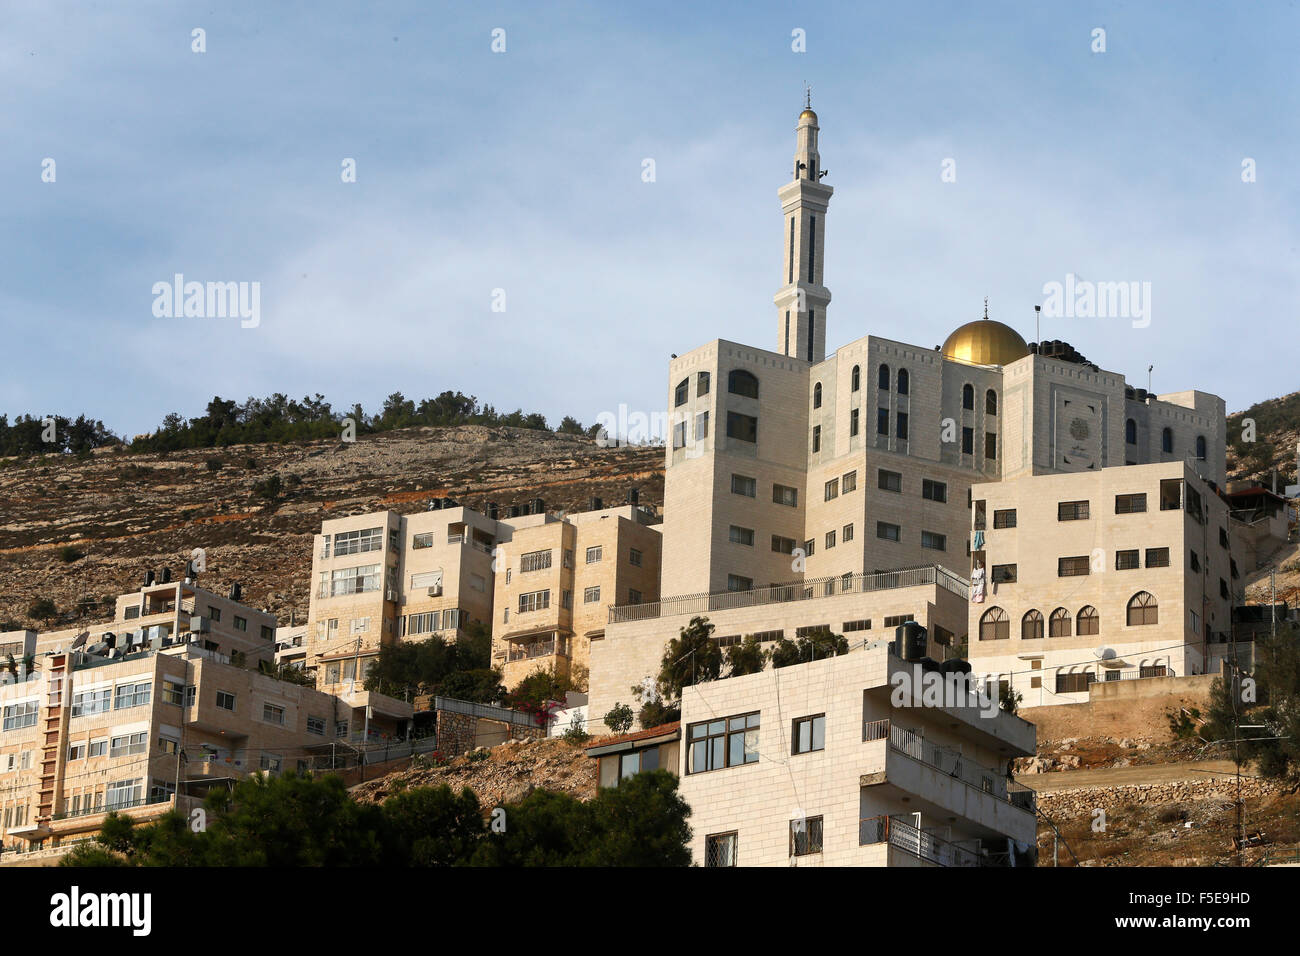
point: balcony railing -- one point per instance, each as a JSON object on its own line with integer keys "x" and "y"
{"x": 523, "y": 652}
{"x": 795, "y": 591}
{"x": 917, "y": 843}
{"x": 118, "y": 805}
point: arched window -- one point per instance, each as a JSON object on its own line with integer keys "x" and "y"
{"x": 1200, "y": 448}
{"x": 902, "y": 381}
{"x": 740, "y": 382}
{"x": 1088, "y": 622}
{"x": 1131, "y": 432}
{"x": 1031, "y": 626}
{"x": 682, "y": 393}
{"x": 968, "y": 397}
{"x": 1059, "y": 625}
{"x": 882, "y": 379}
{"x": 995, "y": 625}
{"x": 857, "y": 378}
{"x": 1143, "y": 609}
{"x": 1167, "y": 441}
{"x": 702, "y": 382}
{"x": 817, "y": 395}
{"x": 990, "y": 402}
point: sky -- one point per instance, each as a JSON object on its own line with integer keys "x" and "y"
{"x": 515, "y": 178}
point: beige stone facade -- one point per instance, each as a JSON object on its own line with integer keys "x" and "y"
{"x": 837, "y": 763}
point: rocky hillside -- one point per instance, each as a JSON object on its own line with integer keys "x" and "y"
{"x": 80, "y": 532}
{"x": 1277, "y": 428}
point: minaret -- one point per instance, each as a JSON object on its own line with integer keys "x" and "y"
{"x": 801, "y": 302}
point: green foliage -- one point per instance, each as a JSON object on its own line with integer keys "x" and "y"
{"x": 619, "y": 718}
{"x": 68, "y": 554}
{"x": 26, "y": 436}
{"x": 576, "y": 732}
{"x": 747, "y": 657}
{"x": 570, "y": 426}
{"x": 692, "y": 657}
{"x": 1270, "y": 697}
{"x": 42, "y": 609}
{"x": 431, "y": 826}
{"x": 654, "y": 713}
{"x": 215, "y": 464}
{"x": 269, "y": 488}
{"x": 1009, "y": 699}
{"x": 433, "y": 666}
{"x": 1183, "y": 723}
{"x": 811, "y": 647}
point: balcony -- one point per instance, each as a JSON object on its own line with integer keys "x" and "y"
{"x": 921, "y": 848}
{"x": 794, "y": 591}
{"x": 523, "y": 652}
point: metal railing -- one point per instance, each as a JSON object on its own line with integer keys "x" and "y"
{"x": 917, "y": 843}
{"x": 116, "y": 805}
{"x": 808, "y": 590}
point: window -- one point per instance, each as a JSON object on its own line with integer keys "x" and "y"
{"x": 1127, "y": 560}
{"x": 716, "y": 744}
{"x": 1223, "y": 537}
{"x": 742, "y": 427}
{"x": 808, "y": 549}
{"x": 1157, "y": 557}
{"x": 740, "y": 382}
{"x": 882, "y": 421}
{"x": 359, "y": 625}
{"x": 862, "y": 624}
{"x": 421, "y": 541}
{"x": 316, "y": 725}
{"x": 1167, "y": 441}
{"x": 682, "y": 392}
{"x": 900, "y": 421}
{"x": 990, "y": 445}
{"x": 534, "y": 601}
{"x": 591, "y": 595}
{"x": 535, "y": 561}
{"x": 123, "y": 793}
{"x": 1200, "y": 448}
{"x": 882, "y": 378}
{"x": 1031, "y": 626}
{"x": 128, "y": 745}
{"x": 357, "y": 580}
{"x": 850, "y": 482}
{"x": 853, "y": 422}
{"x": 595, "y": 554}
{"x": 934, "y": 541}
{"x": 785, "y": 495}
{"x": 805, "y": 836}
{"x": 98, "y": 748}
{"x": 225, "y": 701}
{"x": 635, "y": 557}
{"x": 358, "y": 542}
{"x": 1072, "y": 567}
{"x": 1087, "y": 623}
{"x": 808, "y": 734}
{"x": 830, "y": 539}
{"x": 89, "y": 702}
{"x": 241, "y": 623}
{"x": 737, "y": 582}
{"x": 77, "y": 752}
{"x": 1131, "y": 432}
{"x": 832, "y": 490}
{"x": 742, "y": 485}
{"x": 1171, "y": 494}
{"x": 679, "y": 435}
{"x": 1130, "y": 504}
{"x": 1072, "y": 511}
{"x": 934, "y": 490}
{"x": 1195, "y": 561}
{"x": 739, "y": 535}
{"x": 855, "y": 379}
{"x": 273, "y": 714}
{"x": 1005, "y": 518}
{"x": 817, "y": 395}
{"x": 847, "y": 533}
{"x": 968, "y": 397}
{"x": 132, "y": 695}
{"x": 701, "y": 426}
{"x": 268, "y": 634}
{"x": 1073, "y": 683}
{"x": 994, "y": 625}
{"x": 817, "y": 438}
{"x": 967, "y": 441}
{"x": 1143, "y": 609}
{"x": 782, "y": 545}
{"x": 903, "y": 381}
{"x": 1059, "y": 624}
{"x": 1003, "y": 574}
{"x": 887, "y": 531}
{"x": 720, "y": 849}
{"x": 702, "y": 383}
{"x": 990, "y": 403}
{"x": 890, "y": 481}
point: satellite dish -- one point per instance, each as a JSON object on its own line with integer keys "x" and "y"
{"x": 1104, "y": 653}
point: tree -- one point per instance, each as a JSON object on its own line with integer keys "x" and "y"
{"x": 570, "y": 426}
{"x": 431, "y": 826}
{"x": 747, "y": 657}
{"x": 1270, "y": 697}
{"x": 811, "y": 647}
{"x": 693, "y": 657}
{"x": 619, "y": 718}
{"x": 42, "y": 609}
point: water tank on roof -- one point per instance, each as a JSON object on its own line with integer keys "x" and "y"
{"x": 910, "y": 641}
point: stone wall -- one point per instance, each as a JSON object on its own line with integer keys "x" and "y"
{"x": 459, "y": 733}
{"x": 1064, "y": 804}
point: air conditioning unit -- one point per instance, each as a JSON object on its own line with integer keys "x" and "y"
{"x": 390, "y": 595}
{"x": 201, "y": 625}
{"x": 435, "y": 591}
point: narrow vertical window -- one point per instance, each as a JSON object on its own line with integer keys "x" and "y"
{"x": 811, "y": 324}
{"x": 812, "y": 245}
{"x": 791, "y": 273}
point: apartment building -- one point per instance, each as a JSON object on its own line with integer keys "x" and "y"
{"x": 557, "y": 579}
{"x": 838, "y": 762}
{"x": 1112, "y": 574}
{"x": 92, "y": 731}
{"x": 385, "y": 577}
{"x": 858, "y": 606}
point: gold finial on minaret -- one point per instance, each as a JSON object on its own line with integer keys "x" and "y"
{"x": 986, "y": 307}
{"x": 807, "y": 96}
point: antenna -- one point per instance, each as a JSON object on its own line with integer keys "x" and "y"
{"x": 807, "y": 96}
{"x": 986, "y": 307}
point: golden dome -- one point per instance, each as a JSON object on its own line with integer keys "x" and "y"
{"x": 985, "y": 342}
{"x": 808, "y": 114}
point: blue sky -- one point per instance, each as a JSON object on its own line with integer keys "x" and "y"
{"x": 522, "y": 171}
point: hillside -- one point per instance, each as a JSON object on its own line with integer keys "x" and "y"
{"x": 130, "y": 512}
{"x": 1277, "y": 428}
